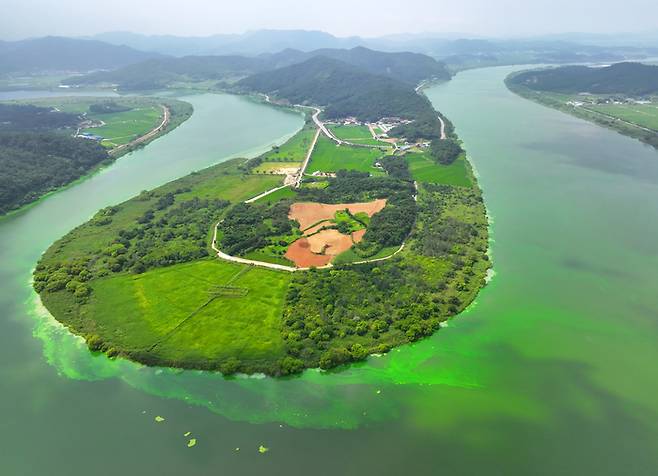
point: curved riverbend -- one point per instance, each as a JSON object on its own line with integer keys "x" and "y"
{"x": 552, "y": 371}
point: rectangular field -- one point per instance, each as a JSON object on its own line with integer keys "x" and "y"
{"x": 207, "y": 309}
{"x": 424, "y": 169}
{"x": 645, "y": 115}
{"x": 330, "y": 157}
{"x": 123, "y": 127}
{"x": 355, "y": 134}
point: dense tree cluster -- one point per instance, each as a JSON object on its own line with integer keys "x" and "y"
{"x": 247, "y": 226}
{"x": 344, "y": 314}
{"x": 33, "y": 163}
{"x": 170, "y": 232}
{"x": 19, "y": 117}
{"x": 108, "y": 107}
{"x": 446, "y": 151}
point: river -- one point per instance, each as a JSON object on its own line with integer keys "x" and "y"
{"x": 554, "y": 369}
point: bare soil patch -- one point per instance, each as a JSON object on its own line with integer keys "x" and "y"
{"x": 309, "y": 213}
{"x": 300, "y": 253}
{"x": 358, "y": 235}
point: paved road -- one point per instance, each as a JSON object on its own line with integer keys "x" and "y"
{"x": 443, "y": 128}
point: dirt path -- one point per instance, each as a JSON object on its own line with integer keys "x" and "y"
{"x": 149, "y": 135}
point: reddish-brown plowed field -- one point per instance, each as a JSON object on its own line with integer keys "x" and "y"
{"x": 314, "y": 228}
{"x": 329, "y": 242}
{"x": 357, "y": 236}
{"x": 300, "y": 253}
{"x": 309, "y": 213}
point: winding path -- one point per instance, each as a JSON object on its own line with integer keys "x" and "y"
{"x": 443, "y": 128}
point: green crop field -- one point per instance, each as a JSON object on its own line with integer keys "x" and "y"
{"x": 123, "y": 127}
{"x": 645, "y": 115}
{"x": 295, "y": 149}
{"x": 355, "y": 134}
{"x": 278, "y": 195}
{"x": 424, "y": 169}
{"x": 205, "y": 310}
{"x": 330, "y": 157}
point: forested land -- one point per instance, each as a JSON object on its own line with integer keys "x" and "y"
{"x": 39, "y": 154}
{"x": 633, "y": 79}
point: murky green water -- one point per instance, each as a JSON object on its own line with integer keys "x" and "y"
{"x": 553, "y": 371}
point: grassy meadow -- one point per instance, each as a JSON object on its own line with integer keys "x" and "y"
{"x": 330, "y": 157}
{"x": 424, "y": 169}
{"x": 355, "y": 134}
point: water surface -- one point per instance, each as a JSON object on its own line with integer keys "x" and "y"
{"x": 554, "y": 370}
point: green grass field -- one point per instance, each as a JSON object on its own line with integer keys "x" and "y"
{"x": 278, "y": 195}
{"x": 330, "y": 157}
{"x": 295, "y": 149}
{"x": 355, "y": 134}
{"x": 424, "y": 169}
{"x": 123, "y": 127}
{"x": 645, "y": 115}
{"x": 206, "y": 310}
{"x": 120, "y": 127}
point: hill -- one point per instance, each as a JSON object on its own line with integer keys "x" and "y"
{"x": 405, "y": 66}
{"x": 342, "y": 89}
{"x": 65, "y": 54}
{"x": 633, "y": 79}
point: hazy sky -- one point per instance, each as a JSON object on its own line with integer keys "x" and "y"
{"x": 25, "y": 18}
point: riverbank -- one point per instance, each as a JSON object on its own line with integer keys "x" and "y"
{"x": 646, "y": 135}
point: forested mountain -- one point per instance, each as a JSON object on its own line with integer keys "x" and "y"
{"x": 634, "y": 79}
{"x": 342, "y": 89}
{"x": 65, "y": 54}
{"x": 405, "y": 66}
{"x": 158, "y": 73}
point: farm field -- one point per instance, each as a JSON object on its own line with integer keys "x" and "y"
{"x": 294, "y": 150}
{"x": 278, "y": 195}
{"x": 355, "y": 134}
{"x": 645, "y": 115}
{"x": 330, "y": 157}
{"x": 277, "y": 168}
{"x": 424, "y": 169}
{"x": 207, "y": 309}
{"x": 123, "y": 127}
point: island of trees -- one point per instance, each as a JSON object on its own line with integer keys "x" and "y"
{"x": 204, "y": 272}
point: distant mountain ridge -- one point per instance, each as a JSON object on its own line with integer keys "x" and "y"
{"x": 635, "y": 79}
{"x": 66, "y": 54}
{"x": 158, "y": 73}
